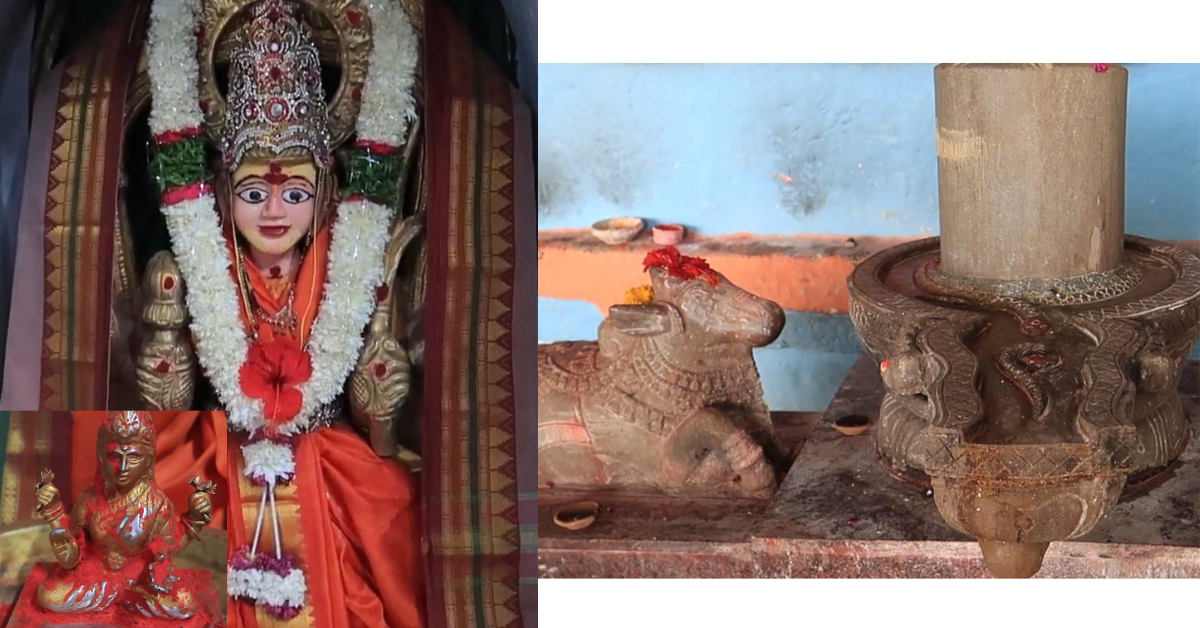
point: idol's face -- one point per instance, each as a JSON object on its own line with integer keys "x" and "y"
{"x": 127, "y": 463}
{"x": 274, "y": 203}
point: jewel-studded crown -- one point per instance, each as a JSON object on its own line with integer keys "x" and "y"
{"x": 275, "y": 101}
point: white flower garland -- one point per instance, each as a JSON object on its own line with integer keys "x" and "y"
{"x": 391, "y": 76}
{"x": 268, "y": 459}
{"x": 171, "y": 55}
{"x": 355, "y": 268}
{"x": 268, "y": 587}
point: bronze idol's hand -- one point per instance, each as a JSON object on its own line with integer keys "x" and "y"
{"x": 199, "y": 507}
{"x": 65, "y": 549}
{"x": 49, "y": 503}
{"x": 199, "y": 504}
{"x": 46, "y": 495}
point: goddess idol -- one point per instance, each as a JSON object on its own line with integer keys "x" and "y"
{"x": 279, "y": 259}
{"x": 116, "y": 546}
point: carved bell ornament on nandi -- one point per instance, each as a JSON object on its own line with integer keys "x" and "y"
{"x": 669, "y": 397}
{"x": 1031, "y": 355}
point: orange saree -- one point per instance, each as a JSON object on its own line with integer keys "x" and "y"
{"x": 350, "y": 519}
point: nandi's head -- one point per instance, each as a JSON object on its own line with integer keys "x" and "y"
{"x": 693, "y": 300}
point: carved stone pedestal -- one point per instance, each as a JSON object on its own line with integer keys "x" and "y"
{"x": 1032, "y": 354}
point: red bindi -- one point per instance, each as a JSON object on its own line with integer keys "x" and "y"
{"x": 276, "y": 273}
{"x": 275, "y": 175}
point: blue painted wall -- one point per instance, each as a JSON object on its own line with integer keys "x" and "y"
{"x": 705, "y": 145}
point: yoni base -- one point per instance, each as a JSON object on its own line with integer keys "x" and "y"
{"x": 28, "y": 614}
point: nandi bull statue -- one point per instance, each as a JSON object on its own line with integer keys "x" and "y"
{"x": 669, "y": 397}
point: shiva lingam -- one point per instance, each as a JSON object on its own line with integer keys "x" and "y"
{"x": 669, "y": 399}
{"x": 1031, "y": 355}
{"x": 115, "y": 547}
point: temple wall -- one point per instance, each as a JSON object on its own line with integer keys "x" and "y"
{"x": 774, "y": 167}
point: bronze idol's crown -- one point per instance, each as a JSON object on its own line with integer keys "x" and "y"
{"x": 275, "y": 101}
{"x": 129, "y": 427}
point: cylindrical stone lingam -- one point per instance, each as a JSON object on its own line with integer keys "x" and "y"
{"x": 1031, "y": 164}
{"x": 1031, "y": 355}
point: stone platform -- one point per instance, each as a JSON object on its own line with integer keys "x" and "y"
{"x": 840, "y": 514}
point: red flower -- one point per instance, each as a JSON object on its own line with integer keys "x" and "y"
{"x": 377, "y": 148}
{"x": 680, "y": 266}
{"x": 191, "y": 192}
{"x": 273, "y": 372}
{"x": 170, "y": 137}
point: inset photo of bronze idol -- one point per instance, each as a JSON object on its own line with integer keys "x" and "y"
{"x": 112, "y": 519}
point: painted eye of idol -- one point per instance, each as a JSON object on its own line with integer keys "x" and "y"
{"x": 257, "y": 194}
{"x": 253, "y": 195}
{"x": 296, "y": 195}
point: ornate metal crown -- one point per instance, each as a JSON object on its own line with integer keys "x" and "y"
{"x": 275, "y": 101}
{"x": 128, "y": 427}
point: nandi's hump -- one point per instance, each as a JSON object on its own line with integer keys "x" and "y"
{"x": 569, "y": 366}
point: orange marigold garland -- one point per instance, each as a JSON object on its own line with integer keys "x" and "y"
{"x": 680, "y": 266}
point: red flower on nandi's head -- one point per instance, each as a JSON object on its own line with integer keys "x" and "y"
{"x": 680, "y": 266}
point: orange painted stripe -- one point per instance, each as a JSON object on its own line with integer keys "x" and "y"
{"x": 801, "y": 273}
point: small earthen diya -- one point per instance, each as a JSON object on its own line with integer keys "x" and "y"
{"x": 616, "y": 231}
{"x": 576, "y": 516}
{"x": 852, "y": 424}
{"x": 668, "y": 235}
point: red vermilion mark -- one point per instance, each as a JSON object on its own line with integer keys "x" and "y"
{"x": 1036, "y": 326}
{"x": 275, "y": 176}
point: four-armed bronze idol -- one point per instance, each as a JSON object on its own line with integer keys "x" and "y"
{"x": 116, "y": 544}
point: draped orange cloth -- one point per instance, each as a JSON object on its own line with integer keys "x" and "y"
{"x": 189, "y": 444}
{"x": 353, "y": 521}
{"x": 350, "y": 518}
